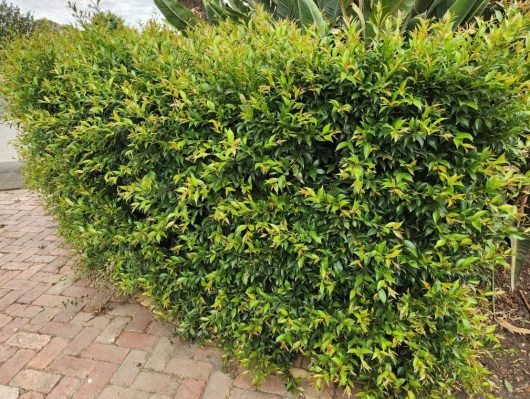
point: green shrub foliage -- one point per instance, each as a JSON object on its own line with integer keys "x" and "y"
{"x": 13, "y": 22}
{"x": 288, "y": 193}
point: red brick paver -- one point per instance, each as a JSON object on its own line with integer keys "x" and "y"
{"x": 63, "y": 338}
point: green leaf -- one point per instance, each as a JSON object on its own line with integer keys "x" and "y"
{"x": 238, "y": 5}
{"x": 330, "y": 8}
{"x": 214, "y": 11}
{"x": 266, "y": 4}
{"x": 382, "y": 295}
{"x": 176, "y": 14}
{"x": 286, "y": 9}
{"x": 392, "y": 6}
{"x": 310, "y": 14}
{"x": 508, "y": 385}
{"x": 463, "y": 10}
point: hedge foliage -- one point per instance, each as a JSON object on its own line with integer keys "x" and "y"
{"x": 289, "y": 193}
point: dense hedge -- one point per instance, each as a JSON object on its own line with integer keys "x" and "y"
{"x": 288, "y": 193}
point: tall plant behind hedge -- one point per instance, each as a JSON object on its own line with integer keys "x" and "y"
{"x": 13, "y": 22}
{"x": 287, "y": 193}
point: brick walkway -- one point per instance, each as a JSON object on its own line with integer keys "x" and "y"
{"x": 56, "y": 342}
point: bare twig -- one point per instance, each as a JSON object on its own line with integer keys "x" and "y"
{"x": 494, "y": 293}
{"x": 525, "y": 301}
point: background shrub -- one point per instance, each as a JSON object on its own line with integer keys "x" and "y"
{"x": 286, "y": 193}
{"x": 14, "y": 23}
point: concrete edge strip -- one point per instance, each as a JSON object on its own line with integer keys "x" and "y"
{"x": 10, "y": 176}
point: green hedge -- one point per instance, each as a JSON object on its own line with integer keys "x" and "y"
{"x": 287, "y": 193}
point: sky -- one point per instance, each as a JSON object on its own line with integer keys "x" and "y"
{"x": 133, "y": 11}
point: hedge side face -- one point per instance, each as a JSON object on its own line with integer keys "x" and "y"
{"x": 286, "y": 193}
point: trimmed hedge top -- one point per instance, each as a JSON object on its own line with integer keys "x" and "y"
{"x": 286, "y": 193}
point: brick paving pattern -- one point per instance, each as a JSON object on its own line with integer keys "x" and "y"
{"x": 56, "y": 342}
